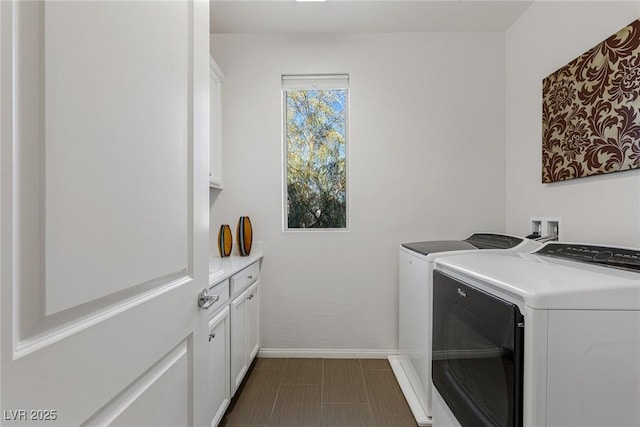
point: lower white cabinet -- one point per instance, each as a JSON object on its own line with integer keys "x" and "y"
{"x": 253, "y": 339}
{"x": 234, "y": 333}
{"x": 219, "y": 364}
{"x": 238, "y": 308}
{"x": 244, "y": 333}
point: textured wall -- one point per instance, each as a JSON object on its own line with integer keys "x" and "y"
{"x": 602, "y": 209}
{"x": 426, "y": 161}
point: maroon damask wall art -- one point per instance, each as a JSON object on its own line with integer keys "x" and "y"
{"x": 591, "y": 111}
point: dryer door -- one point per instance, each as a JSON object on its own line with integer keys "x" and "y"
{"x": 477, "y": 354}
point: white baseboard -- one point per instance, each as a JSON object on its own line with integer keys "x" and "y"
{"x": 326, "y": 353}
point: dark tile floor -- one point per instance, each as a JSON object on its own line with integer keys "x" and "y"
{"x": 319, "y": 393}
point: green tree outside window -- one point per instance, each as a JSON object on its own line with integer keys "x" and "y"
{"x": 315, "y": 138}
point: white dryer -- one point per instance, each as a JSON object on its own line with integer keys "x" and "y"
{"x": 550, "y": 338}
{"x": 412, "y": 365}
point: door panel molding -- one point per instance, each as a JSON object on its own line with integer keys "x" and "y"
{"x": 127, "y": 398}
{"x": 54, "y": 328}
{"x": 26, "y": 198}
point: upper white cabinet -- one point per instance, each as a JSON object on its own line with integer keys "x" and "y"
{"x": 216, "y": 76}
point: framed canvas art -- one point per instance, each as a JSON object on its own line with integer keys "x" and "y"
{"x": 591, "y": 111}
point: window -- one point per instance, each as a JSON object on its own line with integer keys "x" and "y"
{"x": 315, "y": 149}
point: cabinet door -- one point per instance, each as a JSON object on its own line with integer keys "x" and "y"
{"x": 238, "y": 340}
{"x": 219, "y": 364}
{"x": 253, "y": 332}
{"x": 215, "y": 124}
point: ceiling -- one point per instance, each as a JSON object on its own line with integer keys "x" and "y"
{"x": 362, "y": 16}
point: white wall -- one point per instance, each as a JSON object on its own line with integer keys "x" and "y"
{"x": 426, "y": 162}
{"x": 604, "y": 209}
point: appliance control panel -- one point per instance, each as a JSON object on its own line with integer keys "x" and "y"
{"x": 493, "y": 241}
{"x": 627, "y": 259}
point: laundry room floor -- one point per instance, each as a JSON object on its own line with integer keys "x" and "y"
{"x": 319, "y": 393}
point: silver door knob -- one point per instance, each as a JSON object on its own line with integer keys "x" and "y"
{"x": 205, "y": 300}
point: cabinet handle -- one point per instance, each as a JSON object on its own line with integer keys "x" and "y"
{"x": 212, "y": 336}
{"x": 250, "y": 296}
{"x": 250, "y": 277}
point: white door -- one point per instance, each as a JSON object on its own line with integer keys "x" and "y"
{"x": 104, "y": 212}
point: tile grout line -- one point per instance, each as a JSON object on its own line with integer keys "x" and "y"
{"x": 366, "y": 390}
{"x": 273, "y": 407}
{"x": 321, "y": 391}
{"x": 364, "y": 381}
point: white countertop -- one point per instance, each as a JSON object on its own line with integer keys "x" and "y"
{"x": 222, "y": 268}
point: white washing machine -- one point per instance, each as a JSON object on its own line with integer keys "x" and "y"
{"x": 550, "y": 338}
{"x": 412, "y": 365}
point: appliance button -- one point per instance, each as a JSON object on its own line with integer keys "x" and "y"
{"x": 603, "y": 256}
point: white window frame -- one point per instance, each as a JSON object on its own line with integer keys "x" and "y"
{"x": 312, "y": 82}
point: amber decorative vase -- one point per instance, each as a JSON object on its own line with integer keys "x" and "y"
{"x": 244, "y": 236}
{"x": 225, "y": 240}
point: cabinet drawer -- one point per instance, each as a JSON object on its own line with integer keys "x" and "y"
{"x": 241, "y": 280}
{"x": 221, "y": 290}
